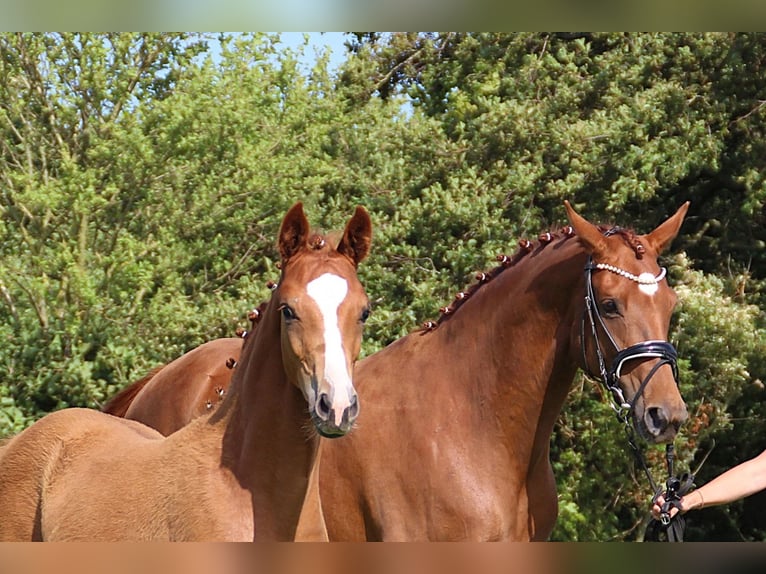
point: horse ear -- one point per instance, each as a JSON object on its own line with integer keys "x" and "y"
{"x": 664, "y": 234}
{"x": 293, "y": 232}
{"x": 588, "y": 234}
{"x": 357, "y": 237}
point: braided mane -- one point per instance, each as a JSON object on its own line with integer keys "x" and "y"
{"x": 526, "y": 247}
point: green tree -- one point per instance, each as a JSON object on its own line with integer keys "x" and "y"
{"x": 67, "y": 103}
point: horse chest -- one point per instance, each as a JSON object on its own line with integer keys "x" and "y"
{"x": 478, "y": 514}
{"x": 490, "y": 511}
{"x": 223, "y": 510}
{"x": 452, "y": 499}
{"x": 465, "y": 516}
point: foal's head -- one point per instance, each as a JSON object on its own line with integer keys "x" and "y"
{"x": 631, "y": 311}
{"x": 323, "y": 309}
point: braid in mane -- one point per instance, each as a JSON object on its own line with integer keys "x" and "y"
{"x": 628, "y": 236}
{"x": 525, "y": 247}
{"x": 504, "y": 262}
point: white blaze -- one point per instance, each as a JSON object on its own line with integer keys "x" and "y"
{"x": 328, "y": 291}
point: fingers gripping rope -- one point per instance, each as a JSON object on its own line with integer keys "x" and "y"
{"x": 670, "y": 527}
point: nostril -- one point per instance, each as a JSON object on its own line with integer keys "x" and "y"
{"x": 324, "y": 407}
{"x": 353, "y": 408}
{"x": 658, "y": 421}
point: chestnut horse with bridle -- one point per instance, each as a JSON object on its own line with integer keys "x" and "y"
{"x": 241, "y": 471}
{"x": 469, "y": 404}
{"x": 454, "y": 440}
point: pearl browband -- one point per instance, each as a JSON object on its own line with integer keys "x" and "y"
{"x": 643, "y": 279}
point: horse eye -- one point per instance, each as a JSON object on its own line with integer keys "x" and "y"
{"x": 287, "y": 312}
{"x": 610, "y": 307}
{"x": 365, "y": 315}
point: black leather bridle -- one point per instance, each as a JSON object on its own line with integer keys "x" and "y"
{"x": 663, "y": 351}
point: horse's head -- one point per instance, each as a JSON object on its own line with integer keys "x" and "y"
{"x": 323, "y": 307}
{"x": 625, "y": 325}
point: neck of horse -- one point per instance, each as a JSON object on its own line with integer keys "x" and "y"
{"x": 521, "y": 357}
{"x": 268, "y": 445}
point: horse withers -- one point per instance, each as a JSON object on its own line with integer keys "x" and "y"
{"x": 237, "y": 473}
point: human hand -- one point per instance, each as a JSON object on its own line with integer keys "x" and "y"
{"x": 685, "y": 503}
{"x": 657, "y": 507}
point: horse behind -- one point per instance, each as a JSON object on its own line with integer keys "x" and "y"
{"x": 194, "y": 384}
{"x": 239, "y": 472}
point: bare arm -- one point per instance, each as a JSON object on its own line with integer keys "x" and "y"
{"x": 738, "y": 482}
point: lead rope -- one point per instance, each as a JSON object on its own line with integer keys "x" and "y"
{"x": 671, "y": 528}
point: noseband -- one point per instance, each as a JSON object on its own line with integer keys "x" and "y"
{"x": 664, "y": 352}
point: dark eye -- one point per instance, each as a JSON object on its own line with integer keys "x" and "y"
{"x": 287, "y": 312}
{"x": 365, "y": 315}
{"x": 609, "y": 306}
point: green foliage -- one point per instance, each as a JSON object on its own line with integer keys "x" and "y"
{"x": 143, "y": 177}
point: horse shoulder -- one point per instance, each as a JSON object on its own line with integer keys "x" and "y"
{"x": 204, "y": 500}
{"x": 418, "y": 419}
{"x": 354, "y": 477}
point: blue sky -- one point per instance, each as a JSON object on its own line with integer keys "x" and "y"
{"x": 317, "y": 42}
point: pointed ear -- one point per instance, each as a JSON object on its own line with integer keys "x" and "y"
{"x": 663, "y": 235}
{"x": 357, "y": 237}
{"x": 588, "y": 234}
{"x": 293, "y": 232}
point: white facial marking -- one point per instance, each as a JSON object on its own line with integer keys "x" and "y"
{"x": 645, "y": 284}
{"x": 328, "y": 291}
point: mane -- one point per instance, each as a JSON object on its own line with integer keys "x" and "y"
{"x": 119, "y": 403}
{"x": 319, "y": 240}
{"x": 255, "y": 315}
{"x": 526, "y": 247}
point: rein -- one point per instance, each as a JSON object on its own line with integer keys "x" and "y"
{"x": 666, "y": 354}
